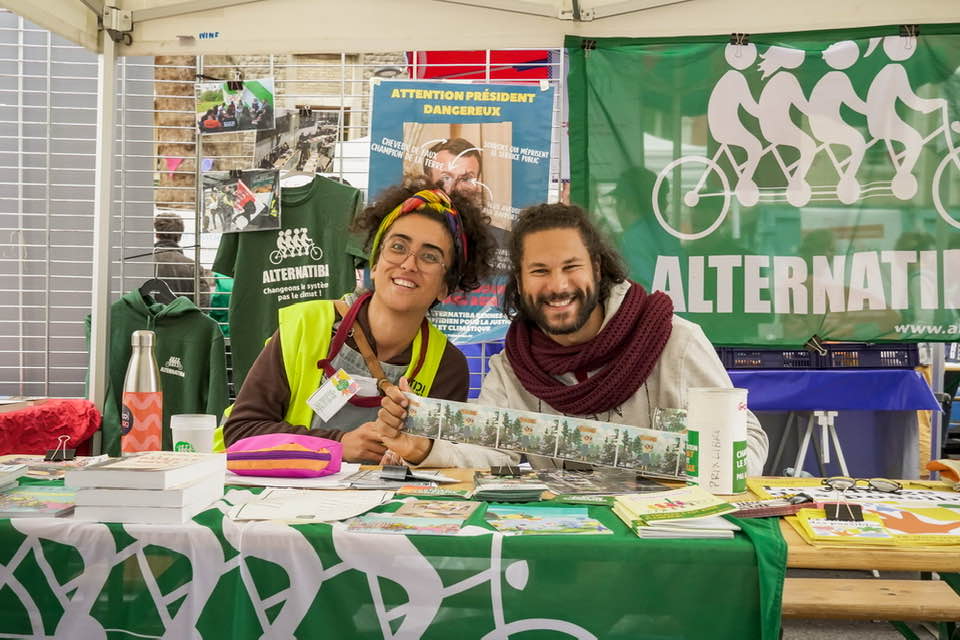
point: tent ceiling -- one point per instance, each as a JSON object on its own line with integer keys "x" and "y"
{"x": 294, "y": 26}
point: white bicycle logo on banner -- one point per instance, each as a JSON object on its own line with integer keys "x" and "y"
{"x": 823, "y": 110}
{"x": 391, "y": 557}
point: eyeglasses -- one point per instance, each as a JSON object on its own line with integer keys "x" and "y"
{"x": 843, "y": 484}
{"x": 450, "y": 183}
{"x": 429, "y": 260}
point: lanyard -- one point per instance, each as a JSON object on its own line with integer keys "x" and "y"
{"x": 346, "y": 329}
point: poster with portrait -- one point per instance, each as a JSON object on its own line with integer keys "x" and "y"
{"x": 489, "y": 142}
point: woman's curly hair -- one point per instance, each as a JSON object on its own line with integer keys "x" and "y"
{"x": 480, "y": 244}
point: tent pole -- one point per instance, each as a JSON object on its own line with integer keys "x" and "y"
{"x": 102, "y": 201}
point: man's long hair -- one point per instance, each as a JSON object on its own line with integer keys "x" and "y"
{"x": 544, "y": 217}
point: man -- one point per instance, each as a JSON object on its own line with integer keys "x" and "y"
{"x": 586, "y": 341}
{"x": 172, "y": 266}
{"x": 454, "y": 165}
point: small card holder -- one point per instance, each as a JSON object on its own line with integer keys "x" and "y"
{"x": 843, "y": 511}
{"x": 395, "y": 472}
{"x": 61, "y": 453}
{"x": 505, "y": 470}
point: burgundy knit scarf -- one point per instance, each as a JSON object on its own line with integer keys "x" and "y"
{"x": 622, "y": 354}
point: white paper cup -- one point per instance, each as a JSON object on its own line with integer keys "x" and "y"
{"x": 193, "y": 432}
{"x": 717, "y": 439}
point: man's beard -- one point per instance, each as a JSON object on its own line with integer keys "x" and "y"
{"x": 533, "y": 309}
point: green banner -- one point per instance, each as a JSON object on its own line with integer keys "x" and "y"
{"x": 215, "y": 578}
{"x": 778, "y": 186}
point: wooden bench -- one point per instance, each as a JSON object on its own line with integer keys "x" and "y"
{"x": 869, "y": 599}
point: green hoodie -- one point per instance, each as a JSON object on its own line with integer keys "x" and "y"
{"x": 190, "y": 354}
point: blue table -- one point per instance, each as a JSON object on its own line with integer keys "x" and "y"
{"x": 856, "y": 390}
{"x": 835, "y": 389}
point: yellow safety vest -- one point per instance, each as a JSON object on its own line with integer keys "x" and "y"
{"x": 306, "y": 330}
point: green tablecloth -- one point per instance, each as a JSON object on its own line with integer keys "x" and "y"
{"x": 213, "y": 578}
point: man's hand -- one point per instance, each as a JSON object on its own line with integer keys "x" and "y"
{"x": 363, "y": 444}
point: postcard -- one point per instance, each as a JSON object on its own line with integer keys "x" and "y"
{"x": 529, "y": 433}
{"x": 457, "y": 509}
{"x": 302, "y": 141}
{"x": 533, "y": 520}
{"x": 389, "y": 523}
{"x": 423, "y": 416}
{"x": 245, "y": 201}
{"x": 223, "y": 107}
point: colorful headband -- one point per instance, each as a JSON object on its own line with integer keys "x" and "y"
{"x": 436, "y": 200}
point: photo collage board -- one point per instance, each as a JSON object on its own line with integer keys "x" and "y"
{"x": 248, "y": 198}
{"x": 654, "y": 452}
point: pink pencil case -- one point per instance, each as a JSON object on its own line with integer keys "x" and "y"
{"x": 284, "y": 455}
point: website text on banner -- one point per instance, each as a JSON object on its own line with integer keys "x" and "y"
{"x": 778, "y": 186}
{"x": 490, "y": 142}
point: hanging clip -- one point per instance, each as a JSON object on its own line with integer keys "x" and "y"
{"x": 61, "y": 453}
{"x": 237, "y": 83}
{"x": 236, "y": 173}
{"x": 739, "y": 39}
{"x": 588, "y": 45}
{"x": 910, "y": 32}
{"x": 305, "y": 110}
{"x": 815, "y": 343}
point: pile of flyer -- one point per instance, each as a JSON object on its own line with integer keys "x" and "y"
{"x": 688, "y": 512}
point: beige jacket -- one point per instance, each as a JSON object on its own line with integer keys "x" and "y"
{"x": 688, "y": 360}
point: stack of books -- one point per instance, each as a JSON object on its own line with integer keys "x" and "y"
{"x": 159, "y": 487}
{"x": 689, "y": 512}
{"x": 508, "y": 489}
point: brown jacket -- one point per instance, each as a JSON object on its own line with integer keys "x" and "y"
{"x": 262, "y": 402}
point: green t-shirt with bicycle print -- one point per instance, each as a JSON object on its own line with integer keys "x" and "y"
{"x": 307, "y": 258}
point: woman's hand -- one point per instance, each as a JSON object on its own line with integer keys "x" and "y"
{"x": 363, "y": 444}
{"x": 390, "y": 418}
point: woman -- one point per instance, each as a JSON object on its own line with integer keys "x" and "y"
{"x": 422, "y": 247}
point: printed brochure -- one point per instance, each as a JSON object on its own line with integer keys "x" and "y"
{"x": 538, "y": 520}
{"x": 655, "y": 452}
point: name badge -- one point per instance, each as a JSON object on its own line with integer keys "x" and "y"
{"x": 330, "y": 397}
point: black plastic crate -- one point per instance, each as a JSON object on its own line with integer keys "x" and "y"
{"x": 952, "y": 352}
{"x": 757, "y": 358}
{"x": 860, "y": 355}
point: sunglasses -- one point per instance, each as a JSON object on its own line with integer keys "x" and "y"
{"x": 843, "y": 484}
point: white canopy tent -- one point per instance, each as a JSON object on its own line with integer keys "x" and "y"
{"x": 201, "y": 27}
{"x": 197, "y": 27}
